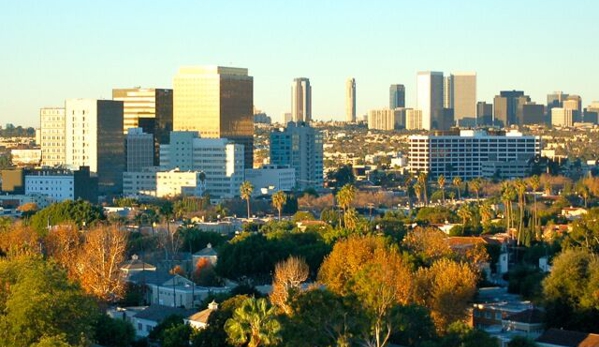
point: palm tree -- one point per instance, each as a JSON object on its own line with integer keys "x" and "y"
{"x": 418, "y": 192}
{"x": 465, "y": 213}
{"x": 475, "y": 185}
{"x": 521, "y": 187}
{"x": 346, "y": 196}
{"x": 255, "y": 323}
{"x": 508, "y": 194}
{"x": 422, "y": 179}
{"x": 245, "y": 191}
{"x": 535, "y": 184}
{"x": 441, "y": 183}
{"x": 409, "y": 189}
{"x": 486, "y": 213}
{"x": 457, "y": 182}
{"x": 278, "y": 201}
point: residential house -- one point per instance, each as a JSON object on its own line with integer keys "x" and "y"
{"x": 207, "y": 253}
{"x": 199, "y": 320}
{"x": 567, "y": 338}
{"x": 146, "y": 320}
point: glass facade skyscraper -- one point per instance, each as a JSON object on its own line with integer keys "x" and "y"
{"x": 397, "y": 96}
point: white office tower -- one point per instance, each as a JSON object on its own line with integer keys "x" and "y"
{"x": 301, "y": 100}
{"x": 430, "y": 99}
{"x": 94, "y": 138}
{"x": 221, "y": 161}
{"x": 52, "y": 136}
{"x": 462, "y": 94}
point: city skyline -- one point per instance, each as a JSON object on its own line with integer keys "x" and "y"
{"x": 85, "y": 54}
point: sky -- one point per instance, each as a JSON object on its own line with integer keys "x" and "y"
{"x": 54, "y": 50}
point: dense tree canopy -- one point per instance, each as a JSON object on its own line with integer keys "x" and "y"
{"x": 79, "y": 212}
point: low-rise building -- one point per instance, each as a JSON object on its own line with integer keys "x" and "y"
{"x": 152, "y": 182}
{"x": 61, "y": 185}
{"x": 271, "y": 178}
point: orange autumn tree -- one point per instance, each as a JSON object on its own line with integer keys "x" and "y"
{"x": 289, "y": 275}
{"x": 97, "y": 263}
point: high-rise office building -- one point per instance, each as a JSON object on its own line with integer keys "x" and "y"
{"x": 430, "y": 99}
{"x": 301, "y": 100}
{"x": 150, "y": 109}
{"x": 533, "y": 113}
{"x": 563, "y": 117}
{"x": 508, "y": 106}
{"x": 484, "y": 113}
{"x": 217, "y": 102}
{"x": 350, "y": 100}
{"x": 591, "y": 113}
{"x": 556, "y": 99}
{"x": 462, "y": 95}
{"x": 397, "y": 96}
{"x": 52, "y": 128}
{"x": 299, "y": 146}
{"x": 221, "y": 160}
{"x": 139, "y": 149}
{"x": 94, "y": 138}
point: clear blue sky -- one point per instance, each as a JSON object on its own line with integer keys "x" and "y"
{"x": 53, "y": 50}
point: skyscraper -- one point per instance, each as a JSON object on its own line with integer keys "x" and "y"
{"x": 150, "y": 109}
{"x": 430, "y": 99}
{"x": 463, "y": 97}
{"x": 300, "y": 147}
{"x": 508, "y": 107}
{"x": 52, "y": 128}
{"x": 484, "y": 113}
{"x": 397, "y": 96}
{"x": 350, "y": 100}
{"x": 301, "y": 100}
{"x": 94, "y": 138}
{"x": 217, "y": 102}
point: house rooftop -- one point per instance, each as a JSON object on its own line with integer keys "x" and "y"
{"x": 568, "y": 338}
{"x": 157, "y": 313}
{"x": 530, "y": 316}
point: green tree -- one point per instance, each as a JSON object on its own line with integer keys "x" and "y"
{"x": 441, "y": 183}
{"x": 39, "y": 301}
{"x": 585, "y": 232}
{"x": 465, "y": 212}
{"x": 254, "y": 323}
{"x": 423, "y": 180}
{"x": 570, "y": 291}
{"x": 278, "y": 201}
{"x": 457, "y": 183}
{"x": 521, "y": 341}
{"x": 245, "y": 191}
{"x": 346, "y": 196}
{"x": 79, "y": 212}
{"x": 114, "y": 332}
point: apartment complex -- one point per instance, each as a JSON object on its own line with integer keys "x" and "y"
{"x": 465, "y": 153}
{"x": 386, "y": 119}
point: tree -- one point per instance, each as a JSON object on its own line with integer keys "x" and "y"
{"x": 322, "y": 318}
{"x": 79, "y": 212}
{"x": 289, "y": 275}
{"x": 254, "y": 323}
{"x": 427, "y": 244}
{"x": 465, "y": 212}
{"x": 457, "y": 183}
{"x": 585, "y": 232}
{"x": 441, "y": 183}
{"x": 521, "y": 187}
{"x": 278, "y": 201}
{"x": 384, "y": 282}
{"x": 112, "y": 332}
{"x": 37, "y": 300}
{"x": 535, "y": 184}
{"x": 345, "y": 196}
{"x": 346, "y": 260}
{"x": 445, "y": 288}
{"x": 245, "y": 191}
{"x": 97, "y": 264}
{"x": 508, "y": 194}
{"x": 423, "y": 180}
{"x": 475, "y": 185}
{"x": 570, "y": 291}
{"x": 521, "y": 341}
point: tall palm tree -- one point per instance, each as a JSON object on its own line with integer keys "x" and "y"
{"x": 441, "y": 183}
{"x": 535, "y": 184}
{"x": 278, "y": 201}
{"x": 521, "y": 187}
{"x": 486, "y": 213}
{"x": 465, "y": 212}
{"x": 457, "y": 182}
{"x": 409, "y": 189}
{"x": 508, "y": 194}
{"x": 423, "y": 179}
{"x": 255, "y": 323}
{"x": 418, "y": 192}
{"x": 475, "y": 185}
{"x": 245, "y": 190}
{"x": 345, "y": 197}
